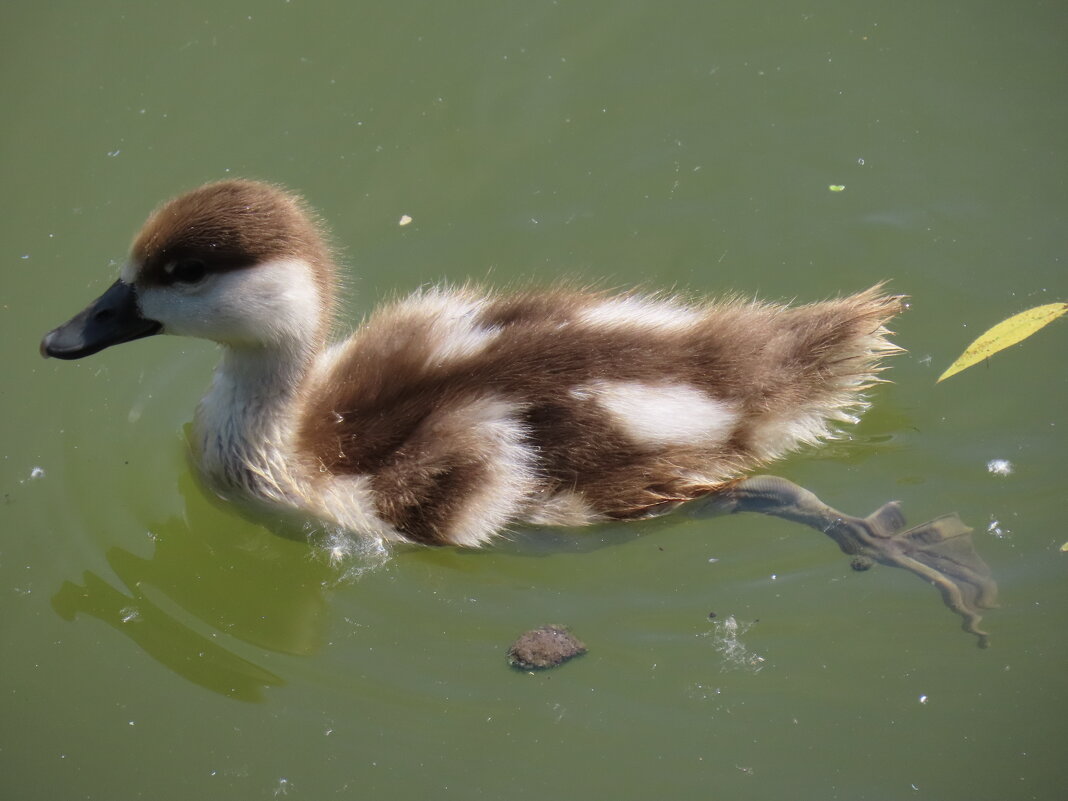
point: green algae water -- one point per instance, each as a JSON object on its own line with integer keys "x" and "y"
{"x": 158, "y": 645}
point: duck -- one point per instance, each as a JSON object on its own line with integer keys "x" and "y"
{"x": 458, "y": 412}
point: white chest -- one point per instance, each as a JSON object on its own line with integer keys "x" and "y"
{"x": 243, "y": 435}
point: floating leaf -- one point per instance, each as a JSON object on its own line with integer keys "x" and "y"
{"x": 1007, "y": 332}
{"x": 837, "y": 187}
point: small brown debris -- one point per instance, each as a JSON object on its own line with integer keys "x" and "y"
{"x": 545, "y": 647}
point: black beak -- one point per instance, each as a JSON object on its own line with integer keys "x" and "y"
{"x": 111, "y": 319}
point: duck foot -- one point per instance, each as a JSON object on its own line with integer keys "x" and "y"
{"x": 939, "y": 551}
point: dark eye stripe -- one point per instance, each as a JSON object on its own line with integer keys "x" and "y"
{"x": 185, "y": 271}
{"x": 170, "y": 267}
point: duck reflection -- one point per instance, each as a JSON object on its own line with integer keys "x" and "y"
{"x": 211, "y": 574}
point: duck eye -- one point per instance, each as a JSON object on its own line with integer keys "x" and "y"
{"x": 187, "y": 271}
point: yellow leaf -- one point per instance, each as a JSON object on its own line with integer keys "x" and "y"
{"x": 1007, "y": 332}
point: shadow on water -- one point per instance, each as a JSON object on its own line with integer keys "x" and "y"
{"x": 241, "y": 581}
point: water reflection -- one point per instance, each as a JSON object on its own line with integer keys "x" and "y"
{"x": 165, "y": 639}
{"x": 235, "y": 577}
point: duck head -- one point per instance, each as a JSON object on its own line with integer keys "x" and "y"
{"x": 239, "y": 262}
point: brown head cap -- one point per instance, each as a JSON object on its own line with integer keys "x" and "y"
{"x": 232, "y": 225}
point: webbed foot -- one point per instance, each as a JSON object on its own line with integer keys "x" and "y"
{"x": 939, "y": 551}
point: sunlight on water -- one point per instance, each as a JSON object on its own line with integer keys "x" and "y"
{"x": 1000, "y": 467}
{"x": 997, "y": 529}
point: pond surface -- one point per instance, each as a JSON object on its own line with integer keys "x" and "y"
{"x": 156, "y": 645}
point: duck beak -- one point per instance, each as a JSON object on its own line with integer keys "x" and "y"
{"x": 111, "y": 319}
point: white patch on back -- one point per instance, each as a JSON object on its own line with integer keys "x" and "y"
{"x": 663, "y": 414}
{"x": 459, "y": 340}
{"x": 450, "y": 316}
{"x": 661, "y": 315}
{"x": 325, "y": 367}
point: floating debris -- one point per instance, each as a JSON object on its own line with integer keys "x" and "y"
{"x": 1006, "y": 333}
{"x": 404, "y": 220}
{"x": 545, "y": 647}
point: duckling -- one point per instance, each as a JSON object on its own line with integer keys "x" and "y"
{"x": 457, "y": 412}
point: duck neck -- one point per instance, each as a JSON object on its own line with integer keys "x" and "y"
{"x": 243, "y": 426}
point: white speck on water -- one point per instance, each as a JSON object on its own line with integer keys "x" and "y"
{"x": 404, "y": 220}
{"x": 25, "y": 255}
{"x": 994, "y": 527}
{"x": 282, "y": 788}
{"x": 1000, "y": 467}
{"x": 113, "y": 153}
{"x": 37, "y": 472}
{"x": 128, "y": 614}
{"x": 923, "y": 699}
{"x": 712, "y": 560}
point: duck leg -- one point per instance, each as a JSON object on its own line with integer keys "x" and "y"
{"x": 939, "y": 551}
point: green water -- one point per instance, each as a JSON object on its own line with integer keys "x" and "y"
{"x": 158, "y": 646}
